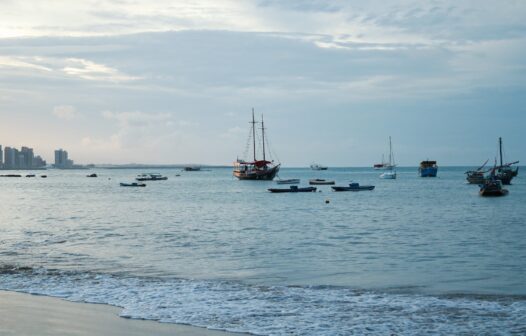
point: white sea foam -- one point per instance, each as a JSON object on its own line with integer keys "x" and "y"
{"x": 278, "y": 310}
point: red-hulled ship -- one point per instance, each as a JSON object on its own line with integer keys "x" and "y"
{"x": 256, "y": 169}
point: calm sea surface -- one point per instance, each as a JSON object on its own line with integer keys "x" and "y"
{"x": 414, "y": 256}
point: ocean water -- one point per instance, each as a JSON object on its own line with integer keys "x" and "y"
{"x": 415, "y": 256}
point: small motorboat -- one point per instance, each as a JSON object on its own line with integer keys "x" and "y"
{"x": 43, "y": 176}
{"x": 353, "y": 187}
{"x": 151, "y": 177}
{"x": 30, "y": 175}
{"x": 292, "y": 189}
{"x": 492, "y": 186}
{"x": 321, "y": 182}
{"x": 92, "y": 175}
{"x": 11, "y": 175}
{"x": 288, "y": 181}
{"x": 316, "y": 166}
{"x": 133, "y": 184}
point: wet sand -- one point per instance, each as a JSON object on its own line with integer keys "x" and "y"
{"x": 25, "y": 314}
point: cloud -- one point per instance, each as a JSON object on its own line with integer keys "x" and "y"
{"x": 67, "y": 112}
{"x": 89, "y": 70}
{"x": 22, "y": 62}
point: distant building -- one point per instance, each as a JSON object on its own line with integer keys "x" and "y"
{"x": 10, "y": 155}
{"x": 20, "y": 159}
{"x": 26, "y": 158}
{"x": 61, "y": 159}
{"x": 38, "y": 162}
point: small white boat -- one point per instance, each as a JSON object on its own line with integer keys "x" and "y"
{"x": 390, "y": 173}
{"x": 321, "y": 182}
{"x": 288, "y": 181}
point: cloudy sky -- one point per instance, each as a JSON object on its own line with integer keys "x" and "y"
{"x": 162, "y": 81}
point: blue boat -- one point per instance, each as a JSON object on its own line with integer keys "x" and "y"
{"x": 428, "y": 169}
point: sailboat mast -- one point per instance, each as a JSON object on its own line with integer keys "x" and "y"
{"x": 263, "y": 136}
{"x": 254, "y": 134}
{"x": 500, "y": 150}
{"x": 390, "y": 152}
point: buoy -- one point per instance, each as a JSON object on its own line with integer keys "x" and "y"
{"x": 327, "y": 201}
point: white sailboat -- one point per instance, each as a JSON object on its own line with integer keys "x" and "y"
{"x": 390, "y": 173}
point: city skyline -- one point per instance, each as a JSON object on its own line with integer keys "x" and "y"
{"x": 175, "y": 82}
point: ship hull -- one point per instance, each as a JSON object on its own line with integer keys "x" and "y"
{"x": 257, "y": 174}
{"x": 428, "y": 172}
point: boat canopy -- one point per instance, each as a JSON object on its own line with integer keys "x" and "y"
{"x": 428, "y": 162}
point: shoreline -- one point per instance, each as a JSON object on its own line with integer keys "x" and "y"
{"x": 28, "y": 314}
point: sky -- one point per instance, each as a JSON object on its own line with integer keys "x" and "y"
{"x": 167, "y": 82}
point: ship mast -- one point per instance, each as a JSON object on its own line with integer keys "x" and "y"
{"x": 254, "y": 133}
{"x": 500, "y": 150}
{"x": 390, "y": 152}
{"x": 263, "y": 136}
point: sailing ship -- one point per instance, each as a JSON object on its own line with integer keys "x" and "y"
{"x": 505, "y": 172}
{"x": 390, "y": 174}
{"x": 256, "y": 169}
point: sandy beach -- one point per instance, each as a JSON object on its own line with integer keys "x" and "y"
{"x": 25, "y": 314}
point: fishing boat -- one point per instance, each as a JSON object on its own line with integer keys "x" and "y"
{"x": 505, "y": 173}
{"x": 321, "y": 182}
{"x": 256, "y": 169}
{"x": 316, "y": 166}
{"x": 353, "y": 187}
{"x": 428, "y": 168}
{"x": 288, "y": 181}
{"x": 92, "y": 175}
{"x": 133, "y": 184}
{"x": 151, "y": 177}
{"x": 492, "y": 186}
{"x": 292, "y": 189}
{"x": 477, "y": 176}
{"x": 390, "y": 173}
{"x": 30, "y": 175}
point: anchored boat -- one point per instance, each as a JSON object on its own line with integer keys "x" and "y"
{"x": 477, "y": 176}
{"x": 257, "y": 169}
{"x": 288, "y": 181}
{"x": 492, "y": 186}
{"x": 316, "y": 166}
{"x": 505, "y": 172}
{"x": 353, "y": 187}
{"x": 151, "y": 177}
{"x": 292, "y": 189}
{"x": 428, "y": 168}
{"x": 321, "y": 182}
{"x": 390, "y": 173}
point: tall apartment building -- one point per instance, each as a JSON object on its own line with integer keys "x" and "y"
{"x": 20, "y": 159}
{"x": 61, "y": 159}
